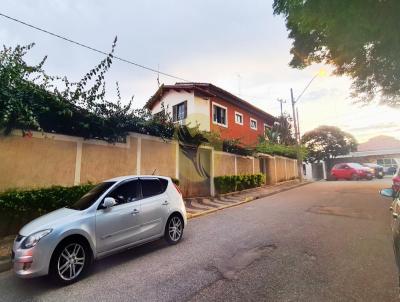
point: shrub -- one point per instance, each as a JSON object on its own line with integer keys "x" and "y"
{"x": 41, "y": 201}
{"x": 282, "y": 150}
{"x": 232, "y": 183}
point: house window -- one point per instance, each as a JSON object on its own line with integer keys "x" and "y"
{"x": 179, "y": 111}
{"x": 253, "y": 124}
{"x": 238, "y": 118}
{"x": 220, "y": 115}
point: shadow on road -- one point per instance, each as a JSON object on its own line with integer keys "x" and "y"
{"x": 36, "y": 287}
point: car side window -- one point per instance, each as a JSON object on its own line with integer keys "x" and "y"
{"x": 151, "y": 187}
{"x": 126, "y": 192}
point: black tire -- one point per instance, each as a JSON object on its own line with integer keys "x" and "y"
{"x": 354, "y": 177}
{"x": 173, "y": 229}
{"x": 59, "y": 259}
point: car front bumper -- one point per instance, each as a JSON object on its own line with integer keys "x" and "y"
{"x": 29, "y": 263}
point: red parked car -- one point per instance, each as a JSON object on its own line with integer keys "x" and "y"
{"x": 351, "y": 171}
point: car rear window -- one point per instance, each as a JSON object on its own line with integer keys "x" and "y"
{"x": 164, "y": 184}
{"x": 153, "y": 186}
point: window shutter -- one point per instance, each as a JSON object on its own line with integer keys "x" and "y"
{"x": 185, "y": 109}
{"x": 174, "y": 114}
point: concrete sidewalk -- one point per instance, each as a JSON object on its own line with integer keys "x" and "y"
{"x": 199, "y": 206}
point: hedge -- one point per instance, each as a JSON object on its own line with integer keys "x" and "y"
{"x": 42, "y": 200}
{"x": 232, "y": 183}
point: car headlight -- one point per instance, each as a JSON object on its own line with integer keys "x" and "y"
{"x": 34, "y": 238}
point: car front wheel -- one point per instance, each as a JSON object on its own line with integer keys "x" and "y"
{"x": 354, "y": 177}
{"x": 69, "y": 262}
{"x": 174, "y": 229}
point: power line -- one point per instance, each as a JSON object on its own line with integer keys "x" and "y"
{"x": 92, "y": 48}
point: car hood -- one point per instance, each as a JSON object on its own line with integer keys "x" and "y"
{"x": 48, "y": 221}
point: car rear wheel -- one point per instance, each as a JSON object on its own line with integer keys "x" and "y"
{"x": 174, "y": 229}
{"x": 70, "y": 261}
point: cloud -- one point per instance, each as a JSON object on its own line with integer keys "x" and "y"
{"x": 209, "y": 41}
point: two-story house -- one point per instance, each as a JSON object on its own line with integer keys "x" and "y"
{"x": 212, "y": 109}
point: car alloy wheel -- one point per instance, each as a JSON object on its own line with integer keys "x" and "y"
{"x": 71, "y": 261}
{"x": 174, "y": 229}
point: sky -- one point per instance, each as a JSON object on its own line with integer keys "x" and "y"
{"x": 241, "y": 48}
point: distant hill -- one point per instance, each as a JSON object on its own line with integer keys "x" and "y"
{"x": 380, "y": 142}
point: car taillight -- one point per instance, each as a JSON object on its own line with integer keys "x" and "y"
{"x": 177, "y": 188}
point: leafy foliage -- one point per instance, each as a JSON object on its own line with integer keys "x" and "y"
{"x": 32, "y": 100}
{"x": 281, "y": 132}
{"x": 232, "y": 183}
{"x": 194, "y": 137}
{"x": 279, "y": 149}
{"x": 234, "y": 146}
{"x": 359, "y": 38}
{"x": 41, "y": 201}
{"x": 327, "y": 142}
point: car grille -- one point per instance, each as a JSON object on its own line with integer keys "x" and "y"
{"x": 18, "y": 238}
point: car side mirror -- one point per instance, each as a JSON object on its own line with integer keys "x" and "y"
{"x": 109, "y": 202}
{"x": 387, "y": 193}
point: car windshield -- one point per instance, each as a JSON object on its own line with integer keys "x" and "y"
{"x": 355, "y": 165}
{"x": 90, "y": 197}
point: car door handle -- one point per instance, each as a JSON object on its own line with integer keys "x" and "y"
{"x": 165, "y": 203}
{"x": 135, "y": 211}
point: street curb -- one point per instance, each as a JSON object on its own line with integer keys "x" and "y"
{"x": 246, "y": 200}
{"x": 5, "y": 265}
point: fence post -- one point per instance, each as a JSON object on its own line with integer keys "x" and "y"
{"x": 138, "y": 155}
{"x": 177, "y": 160}
{"x": 286, "y": 177}
{"x": 78, "y": 163}
{"x": 212, "y": 188}
{"x": 235, "y": 165}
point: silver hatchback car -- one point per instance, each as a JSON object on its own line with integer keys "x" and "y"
{"x": 116, "y": 214}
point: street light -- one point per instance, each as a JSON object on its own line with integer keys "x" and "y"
{"x": 321, "y": 73}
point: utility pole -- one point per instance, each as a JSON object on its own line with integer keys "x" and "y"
{"x": 298, "y": 123}
{"x": 281, "y": 101}
{"x": 299, "y": 159}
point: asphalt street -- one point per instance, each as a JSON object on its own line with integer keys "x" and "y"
{"x": 326, "y": 241}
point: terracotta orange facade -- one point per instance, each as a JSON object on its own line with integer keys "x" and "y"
{"x": 235, "y": 130}
{"x": 212, "y": 109}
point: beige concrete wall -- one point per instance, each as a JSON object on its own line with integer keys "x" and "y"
{"x": 35, "y": 162}
{"x": 224, "y": 164}
{"x": 51, "y": 159}
{"x": 280, "y": 169}
{"x": 104, "y": 161}
{"x": 159, "y": 156}
{"x": 256, "y": 165}
{"x": 244, "y": 165}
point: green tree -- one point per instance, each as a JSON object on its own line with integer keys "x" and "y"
{"x": 327, "y": 142}
{"x": 283, "y": 128}
{"x": 32, "y": 100}
{"x": 358, "y": 37}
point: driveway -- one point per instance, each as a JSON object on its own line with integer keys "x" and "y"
{"x": 327, "y": 241}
